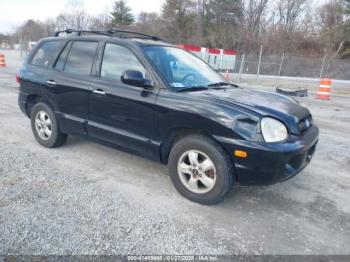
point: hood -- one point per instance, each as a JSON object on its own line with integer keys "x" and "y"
{"x": 264, "y": 103}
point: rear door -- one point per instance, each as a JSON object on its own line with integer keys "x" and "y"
{"x": 119, "y": 113}
{"x": 38, "y": 69}
{"x": 72, "y": 84}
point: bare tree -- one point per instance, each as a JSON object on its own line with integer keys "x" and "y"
{"x": 75, "y": 17}
{"x": 149, "y": 23}
{"x": 49, "y": 26}
{"x": 100, "y": 22}
{"x": 32, "y": 30}
{"x": 253, "y": 15}
{"x": 201, "y": 12}
{"x": 289, "y": 12}
{"x": 253, "y": 19}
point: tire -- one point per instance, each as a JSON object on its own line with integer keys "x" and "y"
{"x": 45, "y": 126}
{"x": 220, "y": 171}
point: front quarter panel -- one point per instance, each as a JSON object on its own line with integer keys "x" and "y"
{"x": 188, "y": 111}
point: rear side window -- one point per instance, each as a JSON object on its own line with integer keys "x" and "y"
{"x": 80, "y": 58}
{"x": 45, "y": 53}
{"x": 116, "y": 60}
{"x": 63, "y": 57}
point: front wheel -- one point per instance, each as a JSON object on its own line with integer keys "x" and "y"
{"x": 200, "y": 169}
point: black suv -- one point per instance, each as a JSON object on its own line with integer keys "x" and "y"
{"x": 141, "y": 94}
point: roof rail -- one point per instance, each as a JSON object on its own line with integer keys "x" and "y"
{"x": 114, "y": 32}
{"x": 79, "y": 32}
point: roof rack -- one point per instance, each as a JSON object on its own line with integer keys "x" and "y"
{"x": 79, "y": 32}
{"x": 114, "y": 32}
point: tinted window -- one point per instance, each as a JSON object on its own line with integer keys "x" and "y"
{"x": 116, "y": 60}
{"x": 63, "y": 57}
{"x": 80, "y": 58}
{"x": 45, "y": 52}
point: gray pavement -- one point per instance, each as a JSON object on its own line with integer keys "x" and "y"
{"x": 84, "y": 198}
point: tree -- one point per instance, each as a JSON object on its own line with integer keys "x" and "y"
{"x": 178, "y": 20}
{"x": 254, "y": 14}
{"x": 330, "y": 15}
{"x": 49, "y": 26}
{"x": 74, "y": 17}
{"x": 289, "y": 11}
{"x": 121, "y": 14}
{"x": 149, "y": 23}
{"x": 100, "y": 22}
{"x": 332, "y": 23}
{"x": 223, "y": 18}
{"x": 224, "y": 12}
{"x": 253, "y": 17}
{"x": 346, "y": 4}
{"x": 32, "y": 30}
{"x": 78, "y": 19}
{"x": 346, "y": 13}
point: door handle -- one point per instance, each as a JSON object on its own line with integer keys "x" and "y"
{"x": 99, "y": 92}
{"x": 50, "y": 83}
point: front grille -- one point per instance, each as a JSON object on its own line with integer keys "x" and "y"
{"x": 305, "y": 123}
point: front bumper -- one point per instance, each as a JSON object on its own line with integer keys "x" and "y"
{"x": 269, "y": 163}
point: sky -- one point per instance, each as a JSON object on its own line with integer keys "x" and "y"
{"x": 14, "y": 12}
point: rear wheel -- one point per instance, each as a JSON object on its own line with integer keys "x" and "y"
{"x": 200, "y": 169}
{"x": 45, "y": 127}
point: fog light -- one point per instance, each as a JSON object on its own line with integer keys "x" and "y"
{"x": 241, "y": 154}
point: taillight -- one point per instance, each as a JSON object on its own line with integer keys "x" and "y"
{"x": 17, "y": 78}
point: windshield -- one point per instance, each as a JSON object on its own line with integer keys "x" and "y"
{"x": 181, "y": 69}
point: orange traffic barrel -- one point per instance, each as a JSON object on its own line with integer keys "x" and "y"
{"x": 2, "y": 61}
{"x": 324, "y": 92}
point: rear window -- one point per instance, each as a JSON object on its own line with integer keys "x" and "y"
{"x": 45, "y": 53}
{"x": 80, "y": 58}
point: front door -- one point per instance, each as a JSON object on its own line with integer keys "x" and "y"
{"x": 119, "y": 113}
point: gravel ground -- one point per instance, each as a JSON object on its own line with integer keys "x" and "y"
{"x": 84, "y": 198}
{"x": 49, "y": 210}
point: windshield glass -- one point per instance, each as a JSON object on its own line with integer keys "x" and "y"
{"x": 181, "y": 69}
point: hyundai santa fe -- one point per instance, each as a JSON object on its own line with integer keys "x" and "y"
{"x": 138, "y": 93}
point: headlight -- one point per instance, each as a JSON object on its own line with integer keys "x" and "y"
{"x": 273, "y": 130}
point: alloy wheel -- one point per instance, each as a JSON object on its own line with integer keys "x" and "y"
{"x": 43, "y": 125}
{"x": 196, "y": 171}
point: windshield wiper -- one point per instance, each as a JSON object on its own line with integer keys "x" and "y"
{"x": 193, "y": 88}
{"x": 220, "y": 84}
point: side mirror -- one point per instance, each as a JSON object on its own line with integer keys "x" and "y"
{"x": 135, "y": 78}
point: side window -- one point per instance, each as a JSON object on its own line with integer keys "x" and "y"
{"x": 46, "y": 51}
{"x": 116, "y": 60}
{"x": 63, "y": 57}
{"x": 80, "y": 58}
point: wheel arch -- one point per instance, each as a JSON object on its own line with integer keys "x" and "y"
{"x": 34, "y": 99}
{"x": 175, "y": 134}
